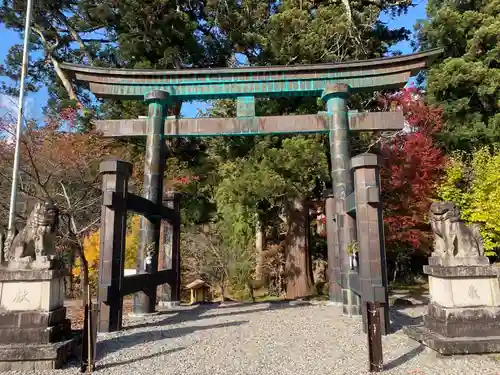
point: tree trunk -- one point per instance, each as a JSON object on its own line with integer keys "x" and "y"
{"x": 319, "y": 271}
{"x": 260, "y": 245}
{"x": 84, "y": 275}
{"x": 49, "y": 51}
{"x": 250, "y": 291}
{"x": 298, "y": 266}
{"x": 222, "y": 292}
{"x": 65, "y": 81}
{"x": 70, "y": 283}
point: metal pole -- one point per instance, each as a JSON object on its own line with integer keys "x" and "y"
{"x": 24, "y": 68}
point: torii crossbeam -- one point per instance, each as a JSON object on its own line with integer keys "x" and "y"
{"x": 199, "y": 127}
{"x": 264, "y": 81}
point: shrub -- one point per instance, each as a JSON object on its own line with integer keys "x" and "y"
{"x": 91, "y": 248}
{"x": 471, "y": 182}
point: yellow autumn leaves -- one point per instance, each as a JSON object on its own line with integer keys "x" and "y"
{"x": 91, "y": 246}
{"x": 473, "y": 183}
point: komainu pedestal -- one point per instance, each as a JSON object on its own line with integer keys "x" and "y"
{"x": 463, "y": 316}
{"x": 34, "y": 331}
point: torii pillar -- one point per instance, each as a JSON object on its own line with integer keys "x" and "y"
{"x": 154, "y": 168}
{"x": 342, "y": 223}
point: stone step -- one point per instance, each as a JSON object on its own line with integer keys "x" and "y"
{"x": 17, "y": 357}
{"x": 38, "y": 335}
{"x": 453, "y": 345}
{"x": 32, "y": 319}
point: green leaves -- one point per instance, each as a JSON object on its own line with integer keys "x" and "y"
{"x": 472, "y": 183}
{"x": 300, "y": 162}
{"x": 467, "y": 82}
{"x": 267, "y": 178}
{"x": 245, "y": 182}
{"x": 290, "y": 171}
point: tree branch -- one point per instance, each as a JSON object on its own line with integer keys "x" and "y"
{"x": 76, "y": 37}
{"x": 79, "y": 248}
{"x": 85, "y": 40}
{"x": 49, "y": 51}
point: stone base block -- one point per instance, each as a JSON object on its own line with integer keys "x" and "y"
{"x": 29, "y": 319}
{"x": 31, "y": 290}
{"x": 351, "y": 303}
{"x": 34, "y": 327}
{"x": 463, "y": 322}
{"x": 36, "y": 357}
{"x": 463, "y": 316}
{"x": 34, "y": 331}
{"x": 36, "y": 335}
{"x": 464, "y": 286}
{"x": 450, "y": 261}
{"x": 453, "y": 345}
{"x": 169, "y": 304}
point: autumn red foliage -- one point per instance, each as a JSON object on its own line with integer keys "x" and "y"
{"x": 412, "y": 167}
{"x": 185, "y": 180}
{"x": 321, "y": 225}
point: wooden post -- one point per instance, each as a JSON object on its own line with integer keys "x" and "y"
{"x": 372, "y": 260}
{"x": 154, "y": 167}
{"x": 89, "y": 339}
{"x": 375, "y": 352}
{"x": 115, "y": 176}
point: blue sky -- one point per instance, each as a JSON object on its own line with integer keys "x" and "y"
{"x": 35, "y": 102}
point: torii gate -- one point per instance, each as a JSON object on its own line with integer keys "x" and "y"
{"x": 334, "y": 83}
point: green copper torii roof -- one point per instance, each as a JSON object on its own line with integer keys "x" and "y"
{"x": 267, "y": 81}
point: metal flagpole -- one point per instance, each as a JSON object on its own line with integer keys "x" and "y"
{"x": 24, "y": 68}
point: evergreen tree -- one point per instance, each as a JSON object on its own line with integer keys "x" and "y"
{"x": 467, "y": 81}
{"x": 122, "y": 34}
{"x": 269, "y": 174}
{"x": 275, "y": 175}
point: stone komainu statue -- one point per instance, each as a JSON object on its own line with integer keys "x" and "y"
{"x": 34, "y": 245}
{"x": 453, "y": 237}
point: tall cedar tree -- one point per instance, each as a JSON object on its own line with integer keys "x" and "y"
{"x": 298, "y": 32}
{"x": 467, "y": 81}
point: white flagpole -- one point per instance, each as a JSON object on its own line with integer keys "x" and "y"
{"x": 24, "y": 69}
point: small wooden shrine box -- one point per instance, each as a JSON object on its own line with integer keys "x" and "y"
{"x": 199, "y": 290}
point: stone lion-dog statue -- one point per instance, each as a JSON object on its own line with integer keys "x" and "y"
{"x": 34, "y": 245}
{"x": 453, "y": 237}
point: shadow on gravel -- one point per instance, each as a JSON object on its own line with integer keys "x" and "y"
{"x": 111, "y": 345}
{"x": 199, "y": 312}
{"x": 400, "y": 319}
{"x": 404, "y": 358}
{"x": 132, "y": 360}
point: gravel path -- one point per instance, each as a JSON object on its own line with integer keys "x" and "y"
{"x": 265, "y": 339}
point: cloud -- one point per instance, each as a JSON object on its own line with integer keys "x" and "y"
{"x": 9, "y": 107}
{"x": 8, "y": 112}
